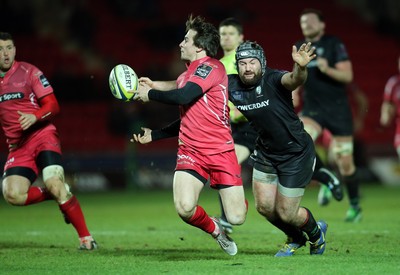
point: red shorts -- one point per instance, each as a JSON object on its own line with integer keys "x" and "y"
{"x": 25, "y": 155}
{"x": 221, "y": 169}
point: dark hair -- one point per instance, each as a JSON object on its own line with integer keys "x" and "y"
{"x": 318, "y": 13}
{"x": 231, "y": 21}
{"x": 207, "y": 36}
{"x": 6, "y": 36}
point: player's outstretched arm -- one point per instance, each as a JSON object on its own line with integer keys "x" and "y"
{"x": 158, "y": 85}
{"x": 301, "y": 58}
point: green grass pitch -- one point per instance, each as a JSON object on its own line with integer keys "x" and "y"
{"x": 138, "y": 232}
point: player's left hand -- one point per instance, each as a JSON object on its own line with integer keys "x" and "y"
{"x": 144, "y": 137}
{"x": 304, "y": 55}
{"x": 26, "y": 120}
{"x": 142, "y": 93}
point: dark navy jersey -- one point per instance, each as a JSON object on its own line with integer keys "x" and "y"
{"x": 269, "y": 108}
{"x": 320, "y": 90}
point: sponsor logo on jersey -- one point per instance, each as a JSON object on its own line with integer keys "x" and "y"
{"x": 253, "y": 106}
{"x": 203, "y": 71}
{"x": 258, "y": 91}
{"x": 11, "y": 96}
{"x": 44, "y": 81}
{"x": 184, "y": 159}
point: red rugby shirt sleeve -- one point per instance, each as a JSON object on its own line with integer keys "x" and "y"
{"x": 48, "y": 107}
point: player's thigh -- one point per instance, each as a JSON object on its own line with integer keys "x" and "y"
{"x": 186, "y": 189}
{"x": 312, "y": 127}
{"x": 233, "y": 200}
{"x": 15, "y": 185}
{"x": 242, "y": 152}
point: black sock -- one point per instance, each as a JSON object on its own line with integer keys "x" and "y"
{"x": 352, "y": 186}
{"x": 321, "y": 174}
{"x": 290, "y": 230}
{"x": 311, "y": 228}
{"x": 318, "y": 162}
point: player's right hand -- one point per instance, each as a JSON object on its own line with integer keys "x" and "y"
{"x": 146, "y": 81}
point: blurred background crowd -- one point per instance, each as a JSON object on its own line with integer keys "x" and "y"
{"x": 76, "y": 43}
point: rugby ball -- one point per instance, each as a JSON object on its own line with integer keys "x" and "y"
{"x": 121, "y": 80}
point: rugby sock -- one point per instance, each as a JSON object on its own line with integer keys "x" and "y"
{"x": 311, "y": 228}
{"x": 352, "y": 186}
{"x": 36, "y": 195}
{"x": 290, "y": 230}
{"x": 201, "y": 220}
{"x": 318, "y": 162}
{"x": 73, "y": 212}
{"x": 321, "y": 174}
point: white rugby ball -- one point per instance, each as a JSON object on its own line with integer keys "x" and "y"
{"x": 121, "y": 80}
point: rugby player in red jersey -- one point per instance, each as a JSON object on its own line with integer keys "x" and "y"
{"x": 390, "y": 108}
{"x": 206, "y": 148}
{"x": 27, "y": 103}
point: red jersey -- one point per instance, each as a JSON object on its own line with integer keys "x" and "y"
{"x": 205, "y": 125}
{"x": 392, "y": 93}
{"x": 20, "y": 90}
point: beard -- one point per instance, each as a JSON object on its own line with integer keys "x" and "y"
{"x": 253, "y": 81}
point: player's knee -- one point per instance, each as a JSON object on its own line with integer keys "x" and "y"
{"x": 346, "y": 169}
{"x": 264, "y": 209}
{"x": 236, "y": 219}
{"x": 14, "y": 197}
{"x": 312, "y": 131}
{"x": 285, "y": 215}
{"x": 184, "y": 209}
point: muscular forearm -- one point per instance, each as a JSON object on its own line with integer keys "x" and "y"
{"x": 339, "y": 75}
{"x": 164, "y": 85}
{"x": 296, "y": 78}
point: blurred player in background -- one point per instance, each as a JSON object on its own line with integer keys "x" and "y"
{"x": 244, "y": 135}
{"x": 206, "y": 148}
{"x": 27, "y": 103}
{"x": 390, "y": 108}
{"x": 324, "y": 145}
{"x": 325, "y": 101}
{"x": 284, "y": 158}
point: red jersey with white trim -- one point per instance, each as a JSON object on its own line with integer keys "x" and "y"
{"x": 392, "y": 92}
{"x": 205, "y": 125}
{"x": 392, "y": 95}
{"x": 20, "y": 89}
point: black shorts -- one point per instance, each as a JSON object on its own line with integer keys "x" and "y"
{"x": 338, "y": 121}
{"x": 294, "y": 170}
{"x": 244, "y": 134}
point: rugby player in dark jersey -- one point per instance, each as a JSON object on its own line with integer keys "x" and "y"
{"x": 284, "y": 157}
{"x": 325, "y": 101}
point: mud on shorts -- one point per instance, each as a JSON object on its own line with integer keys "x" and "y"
{"x": 292, "y": 172}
